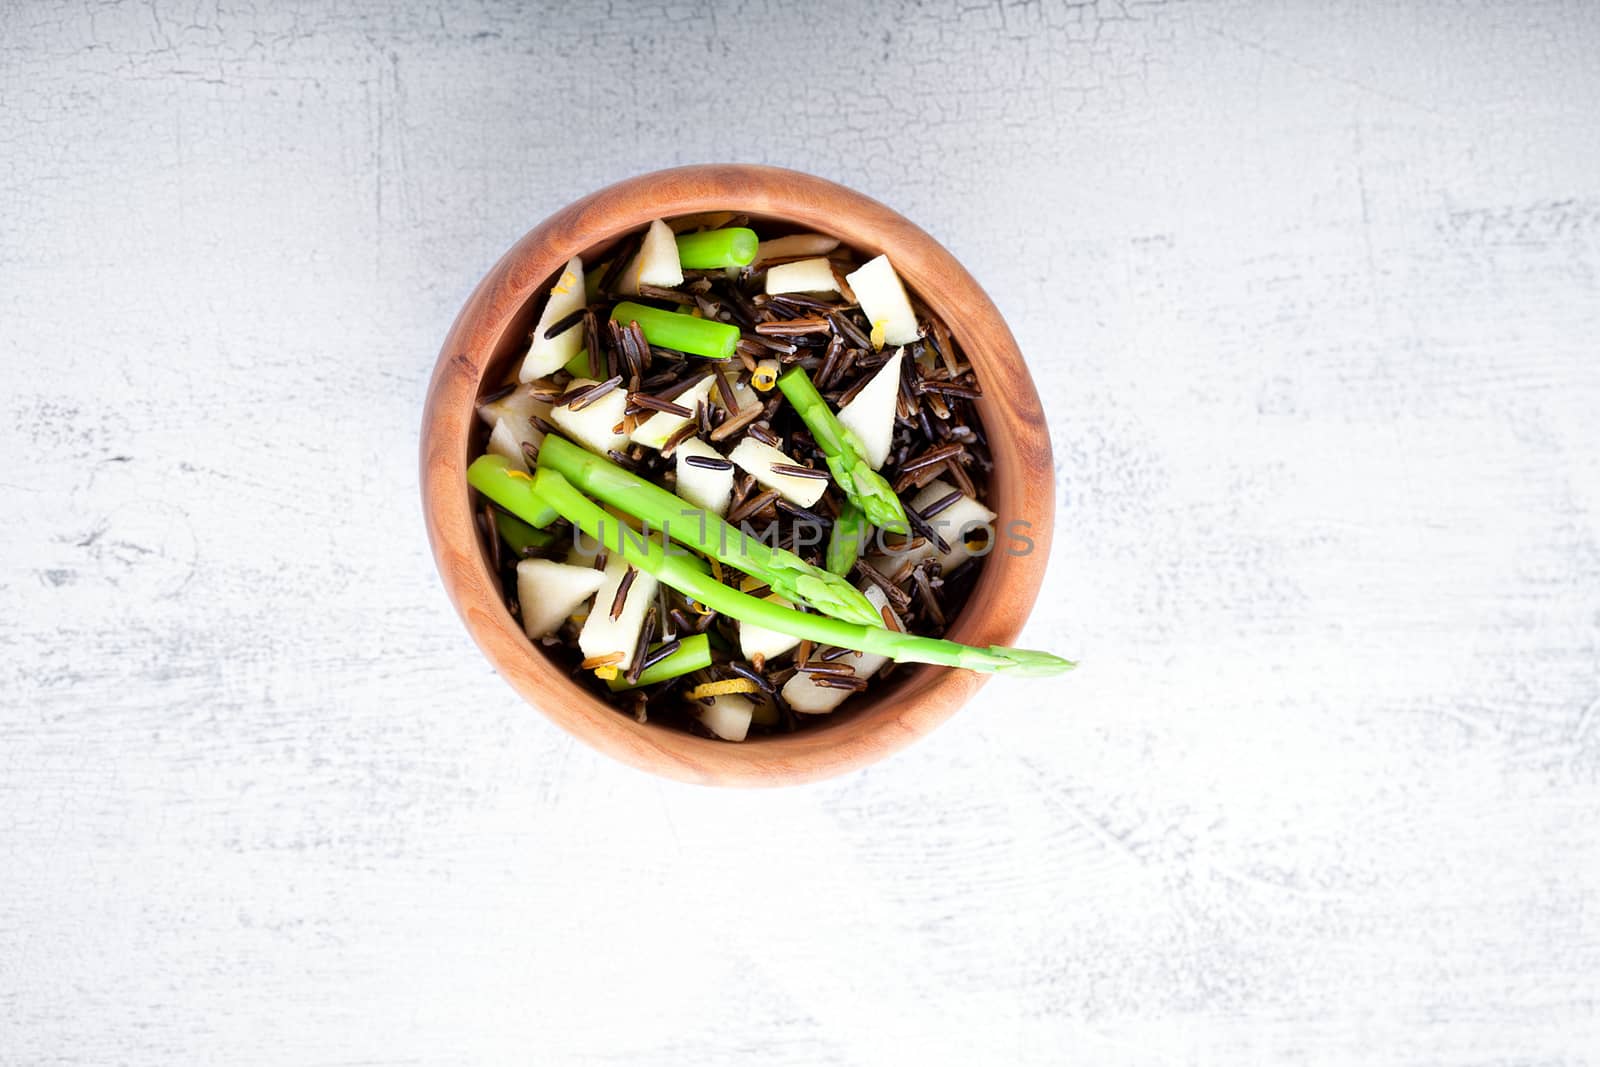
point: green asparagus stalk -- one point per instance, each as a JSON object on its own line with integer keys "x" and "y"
{"x": 578, "y": 365}
{"x": 497, "y": 479}
{"x": 847, "y": 538}
{"x": 731, "y": 247}
{"x": 519, "y": 535}
{"x": 865, "y": 487}
{"x": 787, "y": 574}
{"x": 677, "y": 572}
{"x": 681, "y": 333}
{"x": 693, "y": 654}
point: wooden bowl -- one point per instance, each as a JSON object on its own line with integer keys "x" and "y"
{"x": 492, "y": 330}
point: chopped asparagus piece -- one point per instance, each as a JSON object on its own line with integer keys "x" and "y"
{"x": 512, "y": 489}
{"x": 710, "y": 249}
{"x": 681, "y": 333}
{"x": 843, "y": 450}
{"x": 693, "y": 654}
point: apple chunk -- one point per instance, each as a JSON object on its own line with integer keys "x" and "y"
{"x": 596, "y": 426}
{"x": 656, "y": 263}
{"x": 727, "y": 717}
{"x": 547, "y": 592}
{"x": 870, "y": 413}
{"x": 546, "y": 355}
{"x": 601, "y": 634}
{"x": 704, "y": 487}
{"x": 804, "y": 694}
{"x": 758, "y": 460}
{"x": 802, "y": 276}
{"x": 883, "y": 300}
{"x": 654, "y": 431}
{"x": 953, "y": 523}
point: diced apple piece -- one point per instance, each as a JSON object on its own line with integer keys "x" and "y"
{"x": 728, "y": 716}
{"x": 546, "y": 355}
{"x": 883, "y": 300}
{"x": 765, "y": 712}
{"x": 798, "y": 244}
{"x": 595, "y": 426}
{"x": 759, "y": 641}
{"x": 965, "y": 514}
{"x": 520, "y": 403}
{"x": 601, "y": 634}
{"x": 870, "y": 413}
{"x": 511, "y": 425}
{"x": 702, "y": 486}
{"x": 503, "y": 441}
{"x": 803, "y": 693}
{"x": 757, "y": 459}
{"x": 802, "y": 276}
{"x": 656, "y": 263}
{"x": 654, "y": 431}
{"x": 548, "y": 592}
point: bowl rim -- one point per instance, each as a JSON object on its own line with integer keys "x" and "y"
{"x": 1000, "y": 601}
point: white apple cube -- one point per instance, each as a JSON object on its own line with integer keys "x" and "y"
{"x": 546, "y": 355}
{"x": 883, "y": 300}
{"x": 803, "y": 693}
{"x": 870, "y": 413}
{"x": 601, "y": 634}
{"x": 802, "y": 276}
{"x": 654, "y": 431}
{"x": 656, "y": 262}
{"x": 757, "y": 459}
{"x": 703, "y": 487}
{"x": 596, "y": 426}
{"x": 548, "y": 592}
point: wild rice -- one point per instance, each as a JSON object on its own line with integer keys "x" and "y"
{"x": 675, "y": 296}
{"x": 647, "y": 633}
{"x": 941, "y": 504}
{"x": 792, "y": 327}
{"x": 932, "y": 455}
{"x": 680, "y": 435}
{"x": 588, "y": 395}
{"x": 619, "y": 601}
{"x": 725, "y": 388}
{"x": 661, "y": 653}
{"x": 565, "y": 323}
{"x": 751, "y": 506}
{"x": 655, "y": 403}
{"x": 796, "y": 471}
{"x": 710, "y": 463}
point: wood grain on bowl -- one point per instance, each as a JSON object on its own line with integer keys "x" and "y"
{"x": 492, "y": 330}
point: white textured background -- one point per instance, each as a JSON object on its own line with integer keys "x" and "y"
{"x": 1311, "y": 294}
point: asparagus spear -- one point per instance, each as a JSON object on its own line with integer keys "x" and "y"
{"x": 520, "y": 536}
{"x": 681, "y": 333}
{"x": 847, "y": 539}
{"x": 731, "y": 247}
{"x": 499, "y": 480}
{"x": 692, "y": 654}
{"x": 846, "y": 458}
{"x": 787, "y": 574}
{"x": 678, "y": 572}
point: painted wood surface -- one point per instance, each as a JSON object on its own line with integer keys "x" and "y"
{"x": 1310, "y": 294}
